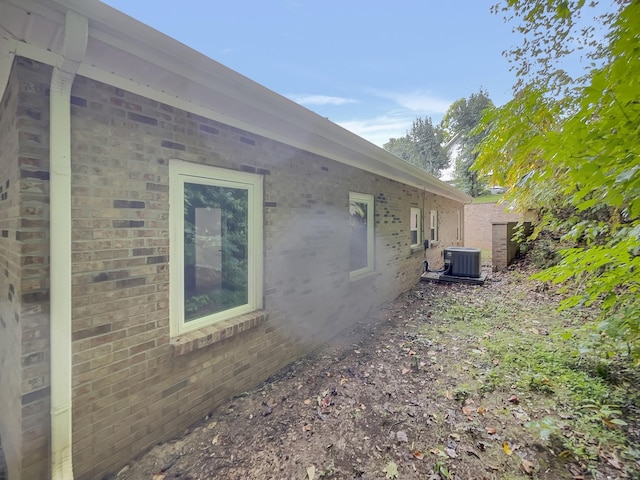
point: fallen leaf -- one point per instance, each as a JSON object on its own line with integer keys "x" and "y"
{"x": 507, "y": 448}
{"x": 491, "y": 430}
{"x": 311, "y": 472}
{"x": 447, "y": 395}
{"x": 468, "y": 410}
{"x": 482, "y": 410}
{"x": 158, "y": 476}
{"x": 391, "y": 469}
{"x": 306, "y": 427}
{"x": 215, "y": 440}
{"x": 527, "y": 466}
{"x": 405, "y": 371}
{"x": 471, "y": 451}
{"x": 211, "y": 425}
{"x": 343, "y": 380}
{"x": 418, "y": 454}
{"x": 307, "y": 401}
{"x": 450, "y": 452}
{"x": 513, "y": 399}
{"x": 271, "y": 403}
{"x": 438, "y": 452}
{"x": 611, "y": 459}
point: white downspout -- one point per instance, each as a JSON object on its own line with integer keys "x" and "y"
{"x": 6, "y": 62}
{"x": 76, "y": 33}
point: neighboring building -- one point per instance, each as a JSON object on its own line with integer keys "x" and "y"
{"x": 478, "y": 218}
{"x": 490, "y": 227}
{"x": 173, "y": 233}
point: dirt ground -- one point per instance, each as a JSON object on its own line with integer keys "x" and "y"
{"x": 391, "y": 400}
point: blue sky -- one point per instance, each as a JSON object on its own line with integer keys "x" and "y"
{"x": 371, "y": 66}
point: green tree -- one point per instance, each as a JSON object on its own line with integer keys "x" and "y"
{"x": 568, "y": 146}
{"x": 459, "y": 126}
{"x": 421, "y": 146}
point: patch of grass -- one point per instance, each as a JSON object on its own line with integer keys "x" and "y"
{"x": 488, "y": 198}
{"x": 554, "y": 365}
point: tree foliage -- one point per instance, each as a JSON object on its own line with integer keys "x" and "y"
{"x": 421, "y": 146}
{"x": 459, "y": 127}
{"x": 569, "y": 147}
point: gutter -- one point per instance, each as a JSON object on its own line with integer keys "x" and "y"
{"x": 76, "y": 33}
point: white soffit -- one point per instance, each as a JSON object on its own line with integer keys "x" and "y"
{"x": 128, "y": 54}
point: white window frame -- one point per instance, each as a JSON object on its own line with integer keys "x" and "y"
{"x": 181, "y": 172}
{"x": 368, "y": 200}
{"x": 458, "y": 225}
{"x": 417, "y": 214}
{"x": 433, "y": 225}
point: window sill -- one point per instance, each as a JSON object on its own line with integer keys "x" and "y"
{"x": 212, "y": 334}
{"x": 417, "y": 248}
{"x": 364, "y": 276}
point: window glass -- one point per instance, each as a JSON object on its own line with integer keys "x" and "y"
{"x": 433, "y": 225}
{"x": 216, "y": 252}
{"x": 215, "y": 249}
{"x": 414, "y": 227}
{"x": 361, "y": 234}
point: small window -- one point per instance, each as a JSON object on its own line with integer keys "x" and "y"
{"x": 458, "y": 225}
{"x": 433, "y": 225}
{"x": 415, "y": 227}
{"x": 361, "y": 232}
{"x": 215, "y": 220}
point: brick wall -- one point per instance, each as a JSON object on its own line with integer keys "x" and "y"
{"x": 10, "y": 332}
{"x": 478, "y": 218}
{"x": 132, "y": 387}
{"x": 504, "y": 247}
{"x": 24, "y": 283}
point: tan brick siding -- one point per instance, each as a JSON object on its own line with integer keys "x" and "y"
{"x": 10, "y": 331}
{"x": 477, "y": 222}
{"x": 130, "y": 389}
{"x": 24, "y": 282}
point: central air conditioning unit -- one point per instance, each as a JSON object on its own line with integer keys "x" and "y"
{"x": 462, "y": 262}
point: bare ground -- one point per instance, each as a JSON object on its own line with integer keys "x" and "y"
{"x": 398, "y": 397}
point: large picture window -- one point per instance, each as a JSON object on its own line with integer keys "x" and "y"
{"x": 361, "y": 231}
{"x": 216, "y": 244}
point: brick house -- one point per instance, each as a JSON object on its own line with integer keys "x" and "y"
{"x": 122, "y": 149}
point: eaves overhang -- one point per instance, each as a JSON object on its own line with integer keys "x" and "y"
{"x": 130, "y": 55}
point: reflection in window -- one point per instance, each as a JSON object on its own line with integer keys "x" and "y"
{"x": 215, "y": 249}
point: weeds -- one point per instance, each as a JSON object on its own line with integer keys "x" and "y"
{"x": 553, "y": 359}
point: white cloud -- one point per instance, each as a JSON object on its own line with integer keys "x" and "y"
{"x": 303, "y": 99}
{"x": 416, "y": 101}
{"x": 379, "y": 130}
